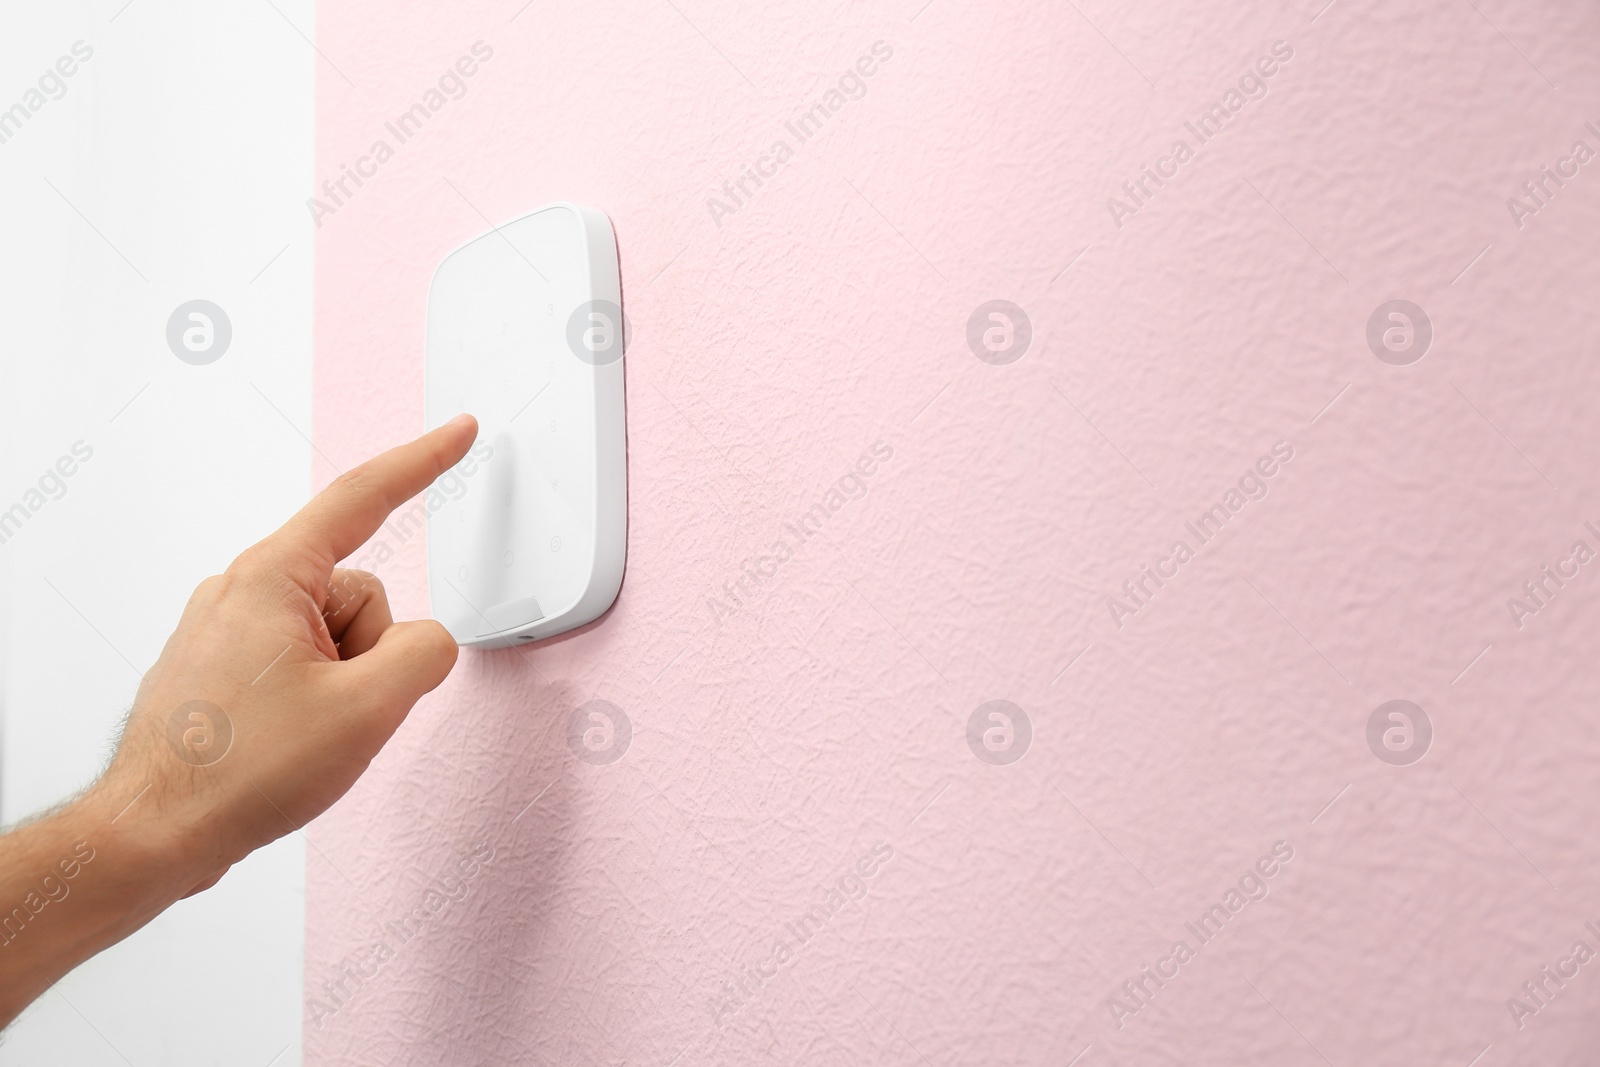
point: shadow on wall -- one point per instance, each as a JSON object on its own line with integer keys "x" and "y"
{"x": 525, "y": 822}
{"x": 495, "y": 869}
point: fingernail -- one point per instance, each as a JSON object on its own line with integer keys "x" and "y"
{"x": 459, "y": 419}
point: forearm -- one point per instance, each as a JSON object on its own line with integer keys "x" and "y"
{"x": 71, "y": 884}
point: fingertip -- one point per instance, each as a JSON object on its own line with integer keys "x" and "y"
{"x": 429, "y": 648}
{"x": 351, "y": 508}
{"x": 444, "y": 645}
{"x": 465, "y": 425}
{"x": 453, "y": 439}
{"x": 409, "y": 660}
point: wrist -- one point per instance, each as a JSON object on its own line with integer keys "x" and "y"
{"x": 150, "y": 857}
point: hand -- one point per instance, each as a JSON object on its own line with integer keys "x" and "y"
{"x": 286, "y": 675}
{"x": 284, "y": 678}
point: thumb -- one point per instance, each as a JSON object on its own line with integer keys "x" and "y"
{"x": 409, "y": 660}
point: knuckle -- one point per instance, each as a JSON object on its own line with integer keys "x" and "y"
{"x": 209, "y": 593}
{"x": 347, "y": 587}
{"x": 357, "y": 481}
{"x": 262, "y": 570}
{"x": 253, "y": 563}
{"x": 364, "y": 580}
{"x": 211, "y": 588}
{"x": 287, "y": 594}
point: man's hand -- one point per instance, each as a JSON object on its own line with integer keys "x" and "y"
{"x": 284, "y": 678}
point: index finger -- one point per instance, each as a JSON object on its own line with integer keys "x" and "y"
{"x": 338, "y": 520}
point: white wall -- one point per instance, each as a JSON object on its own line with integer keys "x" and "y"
{"x": 173, "y": 168}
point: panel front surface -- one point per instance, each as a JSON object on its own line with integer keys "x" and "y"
{"x": 518, "y": 520}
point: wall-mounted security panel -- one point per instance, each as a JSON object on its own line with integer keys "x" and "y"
{"x": 528, "y": 534}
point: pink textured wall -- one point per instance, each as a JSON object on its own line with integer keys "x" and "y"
{"x": 817, "y": 717}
